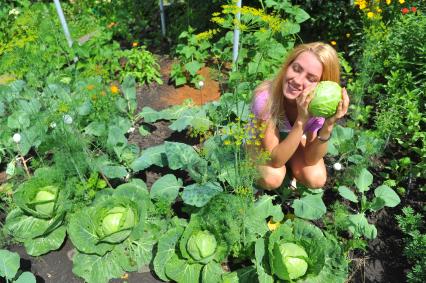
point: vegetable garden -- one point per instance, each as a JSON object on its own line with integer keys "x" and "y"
{"x": 123, "y": 150}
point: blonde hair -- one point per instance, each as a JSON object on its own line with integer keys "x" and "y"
{"x": 331, "y": 72}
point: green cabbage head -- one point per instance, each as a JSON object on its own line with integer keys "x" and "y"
{"x": 44, "y": 200}
{"x": 201, "y": 245}
{"x": 326, "y": 98}
{"x": 117, "y": 219}
{"x": 290, "y": 261}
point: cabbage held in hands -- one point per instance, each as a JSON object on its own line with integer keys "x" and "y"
{"x": 326, "y": 98}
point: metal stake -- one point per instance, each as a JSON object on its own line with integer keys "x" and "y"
{"x": 236, "y": 34}
{"x": 63, "y": 22}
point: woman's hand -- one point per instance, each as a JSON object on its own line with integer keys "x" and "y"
{"x": 302, "y": 102}
{"x": 342, "y": 108}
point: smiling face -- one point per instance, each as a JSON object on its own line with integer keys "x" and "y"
{"x": 304, "y": 72}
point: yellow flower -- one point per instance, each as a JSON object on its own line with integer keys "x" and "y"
{"x": 135, "y": 44}
{"x": 114, "y": 89}
{"x": 379, "y": 10}
{"x": 333, "y": 42}
{"x": 348, "y": 35}
{"x": 226, "y": 142}
{"x": 401, "y": 1}
{"x": 388, "y": 2}
{"x": 272, "y": 225}
{"x": 370, "y": 15}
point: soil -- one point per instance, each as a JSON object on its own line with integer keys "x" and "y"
{"x": 381, "y": 263}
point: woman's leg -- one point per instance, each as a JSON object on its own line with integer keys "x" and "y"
{"x": 270, "y": 178}
{"x": 312, "y": 176}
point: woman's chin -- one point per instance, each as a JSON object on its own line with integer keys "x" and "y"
{"x": 290, "y": 96}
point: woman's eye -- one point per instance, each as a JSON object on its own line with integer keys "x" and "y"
{"x": 296, "y": 68}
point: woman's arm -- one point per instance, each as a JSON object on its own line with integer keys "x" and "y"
{"x": 282, "y": 151}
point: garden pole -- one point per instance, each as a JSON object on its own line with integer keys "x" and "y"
{"x": 236, "y": 34}
{"x": 163, "y": 20}
{"x": 63, "y": 22}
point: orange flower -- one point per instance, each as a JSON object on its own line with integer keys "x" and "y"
{"x": 413, "y": 9}
{"x": 135, "y": 44}
{"x": 404, "y": 11}
{"x": 114, "y": 89}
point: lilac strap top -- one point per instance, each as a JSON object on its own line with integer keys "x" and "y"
{"x": 259, "y": 103}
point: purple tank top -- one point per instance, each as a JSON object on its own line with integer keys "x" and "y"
{"x": 259, "y": 103}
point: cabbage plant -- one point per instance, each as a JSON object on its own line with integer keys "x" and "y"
{"x": 228, "y": 225}
{"x": 38, "y": 220}
{"x": 326, "y": 98}
{"x": 298, "y": 251}
{"x": 116, "y": 233}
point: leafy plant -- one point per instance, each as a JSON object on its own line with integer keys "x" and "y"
{"x": 9, "y": 268}
{"x": 140, "y": 64}
{"x": 357, "y": 223}
{"x": 412, "y": 225}
{"x": 226, "y": 225}
{"x": 38, "y": 221}
{"x": 116, "y": 233}
{"x": 297, "y": 251}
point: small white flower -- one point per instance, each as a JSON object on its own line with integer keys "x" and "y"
{"x": 67, "y": 119}
{"x": 53, "y": 125}
{"x": 16, "y": 137}
{"x": 337, "y": 166}
{"x": 200, "y": 83}
{"x": 14, "y": 12}
{"x": 131, "y": 130}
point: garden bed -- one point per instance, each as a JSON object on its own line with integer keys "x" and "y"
{"x": 381, "y": 263}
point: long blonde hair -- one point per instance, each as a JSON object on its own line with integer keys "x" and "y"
{"x": 331, "y": 72}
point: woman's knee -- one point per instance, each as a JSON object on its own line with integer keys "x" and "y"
{"x": 316, "y": 179}
{"x": 271, "y": 178}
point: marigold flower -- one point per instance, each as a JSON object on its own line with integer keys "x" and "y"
{"x": 413, "y": 9}
{"x": 370, "y": 15}
{"x": 135, "y": 44}
{"x": 333, "y": 42}
{"x": 404, "y": 11}
{"x": 401, "y": 1}
{"x": 388, "y": 2}
{"x": 114, "y": 89}
{"x": 272, "y": 225}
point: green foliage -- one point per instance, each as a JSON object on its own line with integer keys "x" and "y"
{"x": 192, "y": 53}
{"x": 38, "y": 220}
{"x": 116, "y": 233}
{"x": 325, "y": 259}
{"x": 140, "y": 64}
{"x": 412, "y": 225}
{"x": 391, "y": 79}
{"x": 357, "y": 223}
{"x": 9, "y": 268}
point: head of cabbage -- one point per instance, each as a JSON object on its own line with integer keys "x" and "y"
{"x": 326, "y": 98}
{"x": 115, "y": 223}
{"x": 45, "y": 199}
{"x": 290, "y": 261}
{"x": 201, "y": 245}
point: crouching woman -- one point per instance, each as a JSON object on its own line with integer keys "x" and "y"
{"x": 294, "y": 139}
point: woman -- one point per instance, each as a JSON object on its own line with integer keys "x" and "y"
{"x": 293, "y": 138}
